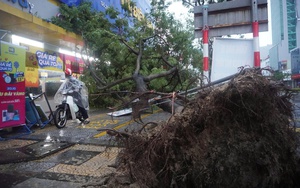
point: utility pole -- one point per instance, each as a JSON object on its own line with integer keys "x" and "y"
{"x": 205, "y": 38}
{"x": 255, "y": 30}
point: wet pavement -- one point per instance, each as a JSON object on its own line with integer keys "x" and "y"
{"x": 75, "y": 156}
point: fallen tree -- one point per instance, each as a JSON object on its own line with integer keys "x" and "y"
{"x": 238, "y": 134}
{"x": 127, "y": 58}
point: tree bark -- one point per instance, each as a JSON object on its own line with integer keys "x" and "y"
{"x": 166, "y": 104}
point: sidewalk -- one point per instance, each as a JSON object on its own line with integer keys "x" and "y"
{"x": 70, "y": 157}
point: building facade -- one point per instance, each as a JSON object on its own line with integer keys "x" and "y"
{"x": 285, "y": 30}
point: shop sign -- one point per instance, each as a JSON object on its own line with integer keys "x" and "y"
{"x": 296, "y": 76}
{"x": 47, "y": 60}
{"x": 12, "y": 85}
{"x": 136, "y": 12}
{"x": 22, "y": 3}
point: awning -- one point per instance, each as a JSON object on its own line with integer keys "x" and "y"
{"x": 29, "y": 26}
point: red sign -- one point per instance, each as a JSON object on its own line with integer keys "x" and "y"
{"x": 74, "y": 63}
{"x": 296, "y": 76}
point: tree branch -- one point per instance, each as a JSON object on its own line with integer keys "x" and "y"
{"x": 145, "y": 39}
{"x": 94, "y": 75}
{"x": 159, "y": 75}
{"x": 187, "y": 2}
{"x": 138, "y": 59}
{"x": 131, "y": 49}
{"x": 87, "y": 62}
{"x": 115, "y": 83}
{"x": 166, "y": 61}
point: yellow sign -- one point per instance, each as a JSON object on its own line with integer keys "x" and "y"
{"x": 43, "y": 59}
{"x": 12, "y": 63}
{"x": 32, "y": 77}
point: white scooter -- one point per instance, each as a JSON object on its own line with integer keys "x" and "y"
{"x": 67, "y": 110}
{"x": 67, "y": 94}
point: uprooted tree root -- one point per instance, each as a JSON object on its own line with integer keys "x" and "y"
{"x": 235, "y": 135}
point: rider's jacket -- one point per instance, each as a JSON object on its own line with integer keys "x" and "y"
{"x": 75, "y": 88}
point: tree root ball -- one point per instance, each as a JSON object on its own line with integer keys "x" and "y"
{"x": 238, "y": 134}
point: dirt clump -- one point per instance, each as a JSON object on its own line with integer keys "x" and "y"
{"x": 238, "y": 134}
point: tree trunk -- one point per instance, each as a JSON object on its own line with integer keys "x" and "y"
{"x": 166, "y": 105}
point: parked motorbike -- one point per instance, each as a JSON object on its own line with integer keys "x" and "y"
{"x": 68, "y": 97}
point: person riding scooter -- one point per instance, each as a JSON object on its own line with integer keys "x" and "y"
{"x": 79, "y": 93}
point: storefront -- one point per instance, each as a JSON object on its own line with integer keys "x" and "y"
{"x": 45, "y": 69}
{"x": 47, "y": 49}
{"x": 26, "y": 69}
{"x": 31, "y": 60}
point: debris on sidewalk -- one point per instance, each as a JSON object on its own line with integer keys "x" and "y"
{"x": 120, "y": 112}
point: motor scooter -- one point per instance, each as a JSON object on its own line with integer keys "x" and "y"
{"x": 67, "y": 110}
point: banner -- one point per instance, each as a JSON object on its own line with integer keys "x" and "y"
{"x": 12, "y": 85}
{"x": 39, "y": 58}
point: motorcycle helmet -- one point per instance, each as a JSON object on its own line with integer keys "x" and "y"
{"x": 68, "y": 72}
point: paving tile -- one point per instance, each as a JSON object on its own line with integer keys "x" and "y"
{"x": 85, "y": 161}
{"x": 27, "y": 167}
{"x": 9, "y": 180}
{"x": 89, "y": 147}
{"x": 39, "y": 183}
{"x": 66, "y": 177}
{"x": 96, "y": 166}
{"x": 74, "y": 157}
{"x": 17, "y": 143}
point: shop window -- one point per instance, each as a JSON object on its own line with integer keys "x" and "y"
{"x": 34, "y": 90}
{"x": 51, "y": 88}
{"x": 50, "y": 81}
